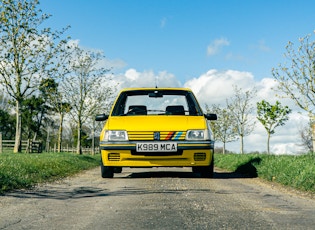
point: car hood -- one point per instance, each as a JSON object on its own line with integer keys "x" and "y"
{"x": 156, "y": 123}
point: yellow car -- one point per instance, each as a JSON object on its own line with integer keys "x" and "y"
{"x": 156, "y": 127}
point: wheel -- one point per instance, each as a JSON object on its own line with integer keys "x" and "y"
{"x": 205, "y": 171}
{"x": 106, "y": 171}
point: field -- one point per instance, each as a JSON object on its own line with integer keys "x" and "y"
{"x": 19, "y": 171}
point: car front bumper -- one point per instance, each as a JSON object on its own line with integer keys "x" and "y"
{"x": 188, "y": 154}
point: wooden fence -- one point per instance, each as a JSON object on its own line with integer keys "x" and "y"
{"x": 71, "y": 149}
{"x": 28, "y": 146}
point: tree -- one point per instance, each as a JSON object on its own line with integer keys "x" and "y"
{"x": 272, "y": 116}
{"x": 242, "y": 112}
{"x": 224, "y": 127}
{"x": 85, "y": 87}
{"x": 305, "y": 132}
{"x": 6, "y": 119}
{"x": 27, "y": 52}
{"x": 34, "y": 111}
{"x": 49, "y": 88}
{"x": 6, "y": 124}
{"x": 296, "y": 78}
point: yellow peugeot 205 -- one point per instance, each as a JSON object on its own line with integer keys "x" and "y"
{"x": 156, "y": 127}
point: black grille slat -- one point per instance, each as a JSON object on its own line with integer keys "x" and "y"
{"x": 200, "y": 156}
{"x": 114, "y": 157}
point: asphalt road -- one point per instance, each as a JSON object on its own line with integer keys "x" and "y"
{"x": 157, "y": 198}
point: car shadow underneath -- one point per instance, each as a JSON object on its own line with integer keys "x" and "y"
{"x": 177, "y": 174}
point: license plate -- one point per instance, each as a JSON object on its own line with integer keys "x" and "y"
{"x": 157, "y": 147}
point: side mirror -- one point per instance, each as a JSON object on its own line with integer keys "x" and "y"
{"x": 101, "y": 117}
{"x": 211, "y": 116}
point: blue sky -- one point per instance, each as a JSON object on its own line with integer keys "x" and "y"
{"x": 207, "y": 45}
{"x": 174, "y": 35}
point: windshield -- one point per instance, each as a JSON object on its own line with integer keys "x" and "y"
{"x": 156, "y": 102}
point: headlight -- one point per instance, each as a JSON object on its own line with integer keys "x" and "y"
{"x": 198, "y": 135}
{"x": 115, "y": 135}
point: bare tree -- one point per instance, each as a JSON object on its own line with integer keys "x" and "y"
{"x": 224, "y": 128}
{"x": 85, "y": 88}
{"x": 27, "y": 52}
{"x": 296, "y": 78}
{"x": 305, "y": 132}
{"x": 242, "y": 111}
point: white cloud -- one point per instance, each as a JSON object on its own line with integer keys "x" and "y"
{"x": 133, "y": 78}
{"x": 132, "y": 74}
{"x": 214, "y": 87}
{"x": 216, "y": 45}
{"x": 265, "y": 87}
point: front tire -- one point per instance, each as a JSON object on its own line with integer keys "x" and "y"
{"x": 205, "y": 171}
{"x": 106, "y": 171}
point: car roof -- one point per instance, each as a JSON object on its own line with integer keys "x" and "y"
{"x": 164, "y": 88}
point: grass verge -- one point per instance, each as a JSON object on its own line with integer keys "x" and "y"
{"x": 26, "y": 170}
{"x": 294, "y": 171}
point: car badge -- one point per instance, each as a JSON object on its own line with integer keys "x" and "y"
{"x": 156, "y": 136}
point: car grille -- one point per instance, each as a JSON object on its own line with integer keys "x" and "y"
{"x": 151, "y": 136}
{"x": 200, "y": 156}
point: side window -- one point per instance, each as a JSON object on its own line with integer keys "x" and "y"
{"x": 120, "y": 105}
{"x": 194, "y": 108}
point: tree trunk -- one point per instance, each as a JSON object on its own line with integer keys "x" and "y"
{"x": 93, "y": 138}
{"x": 79, "y": 148}
{"x": 268, "y": 143}
{"x": 18, "y": 129}
{"x": 223, "y": 150}
{"x": 242, "y": 144}
{"x": 48, "y": 139}
{"x": 60, "y": 132}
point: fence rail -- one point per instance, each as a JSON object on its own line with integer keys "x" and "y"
{"x": 72, "y": 149}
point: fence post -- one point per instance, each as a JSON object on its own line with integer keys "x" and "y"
{"x": 28, "y": 146}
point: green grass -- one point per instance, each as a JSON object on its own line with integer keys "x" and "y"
{"x": 26, "y": 170}
{"x": 294, "y": 171}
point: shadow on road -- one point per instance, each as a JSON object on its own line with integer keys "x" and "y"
{"x": 82, "y": 192}
{"x": 172, "y": 174}
{"x": 247, "y": 170}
